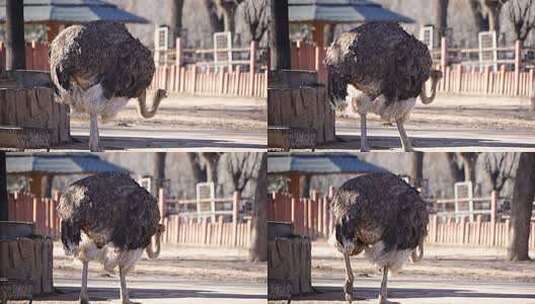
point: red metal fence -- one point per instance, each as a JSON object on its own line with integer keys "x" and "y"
{"x": 36, "y": 56}
{"x": 179, "y": 230}
{"x": 515, "y": 77}
{"x": 312, "y": 218}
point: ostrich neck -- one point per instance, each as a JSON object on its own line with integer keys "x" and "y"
{"x": 423, "y": 95}
{"x": 142, "y": 105}
{"x": 154, "y": 253}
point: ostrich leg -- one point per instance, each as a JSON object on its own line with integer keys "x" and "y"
{"x": 84, "y": 299}
{"x": 383, "y": 293}
{"x": 405, "y": 141}
{"x": 94, "y": 140}
{"x": 363, "y": 134}
{"x": 348, "y": 286}
{"x": 124, "y": 291}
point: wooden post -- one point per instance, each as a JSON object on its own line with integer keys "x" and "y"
{"x": 280, "y": 37}
{"x": 161, "y": 204}
{"x": 293, "y": 209}
{"x": 478, "y": 229}
{"x": 443, "y": 54}
{"x": 3, "y": 188}
{"x": 235, "y": 204}
{"x": 518, "y": 62}
{"x": 15, "y": 45}
{"x": 493, "y": 204}
{"x": 178, "y": 51}
{"x": 252, "y": 67}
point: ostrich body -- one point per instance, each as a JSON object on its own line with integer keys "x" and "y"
{"x": 97, "y": 67}
{"x": 111, "y": 219}
{"x": 382, "y": 215}
{"x": 380, "y": 68}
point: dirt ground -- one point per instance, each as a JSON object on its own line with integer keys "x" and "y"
{"x": 461, "y": 123}
{"x": 445, "y": 275}
{"x": 183, "y": 122}
{"x": 179, "y": 275}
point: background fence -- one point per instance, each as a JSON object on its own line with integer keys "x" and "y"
{"x": 462, "y": 74}
{"x": 36, "y": 56}
{"x": 312, "y": 218}
{"x": 180, "y": 229}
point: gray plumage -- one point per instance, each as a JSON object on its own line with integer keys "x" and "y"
{"x": 385, "y": 68}
{"x": 97, "y": 67}
{"x": 382, "y": 215}
{"x": 111, "y": 219}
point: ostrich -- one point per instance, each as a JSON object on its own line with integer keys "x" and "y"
{"x": 97, "y": 67}
{"x": 382, "y": 215}
{"x": 383, "y": 69}
{"x": 111, "y": 219}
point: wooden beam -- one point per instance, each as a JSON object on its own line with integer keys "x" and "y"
{"x": 15, "y": 45}
{"x": 319, "y": 33}
{"x": 3, "y": 188}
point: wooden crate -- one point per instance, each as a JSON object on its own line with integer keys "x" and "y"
{"x": 33, "y": 108}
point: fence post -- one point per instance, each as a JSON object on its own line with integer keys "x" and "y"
{"x": 518, "y": 62}
{"x": 478, "y": 229}
{"x": 443, "y": 54}
{"x": 178, "y": 50}
{"x": 252, "y": 67}
{"x": 235, "y": 203}
{"x": 161, "y": 204}
{"x": 293, "y": 209}
{"x": 493, "y": 204}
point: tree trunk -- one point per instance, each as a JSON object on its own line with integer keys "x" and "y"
{"x": 229, "y": 10}
{"x": 46, "y": 185}
{"x": 158, "y": 174}
{"x": 494, "y": 18}
{"x": 215, "y": 20}
{"x": 198, "y": 174}
{"x": 280, "y": 35}
{"x": 417, "y": 169}
{"x": 456, "y": 173}
{"x": 480, "y": 21}
{"x": 523, "y": 194}
{"x": 469, "y": 164}
{"x": 258, "y": 251}
{"x": 15, "y": 46}
{"x": 211, "y": 160}
{"x": 177, "y": 7}
{"x": 330, "y": 29}
{"x": 305, "y": 186}
{"x": 442, "y": 17}
{"x": 3, "y": 187}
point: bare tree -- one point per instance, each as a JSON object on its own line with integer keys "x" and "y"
{"x": 243, "y": 167}
{"x": 216, "y": 19}
{"x": 463, "y": 166}
{"x": 3, "y": 187}
{"x": 487, "y": 14}
{"x": 499, "y": 167}
{"x": 227, "y": 9}
{"x": 522, "y": 16}
{"x": 258, "y": 251}
{"x": 257, "y": 16}
{"x": 523, "y": 194}
{"x": 211, "y": 161}
{"x": 197, "y": 168}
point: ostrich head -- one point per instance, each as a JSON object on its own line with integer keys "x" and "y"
{"x": 435, "y": 76}
{"x": 151, "y": 253}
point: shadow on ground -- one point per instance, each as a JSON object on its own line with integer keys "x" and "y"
{"x": 105, "y": 294}
{"x": 327, "y": 294}
{"x": 393, "y": 142}
{"x": 121, "y": 143}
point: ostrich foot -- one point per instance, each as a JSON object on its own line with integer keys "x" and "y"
{"x": 364, "y": 147}
{"x": 84, "y": 299}
{"x": 348, "y": 291}
{"x": 385, "y": 301}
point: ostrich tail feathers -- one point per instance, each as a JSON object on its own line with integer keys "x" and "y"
{"x": 336, "y": 90}
{"x": 70, "y": 236}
